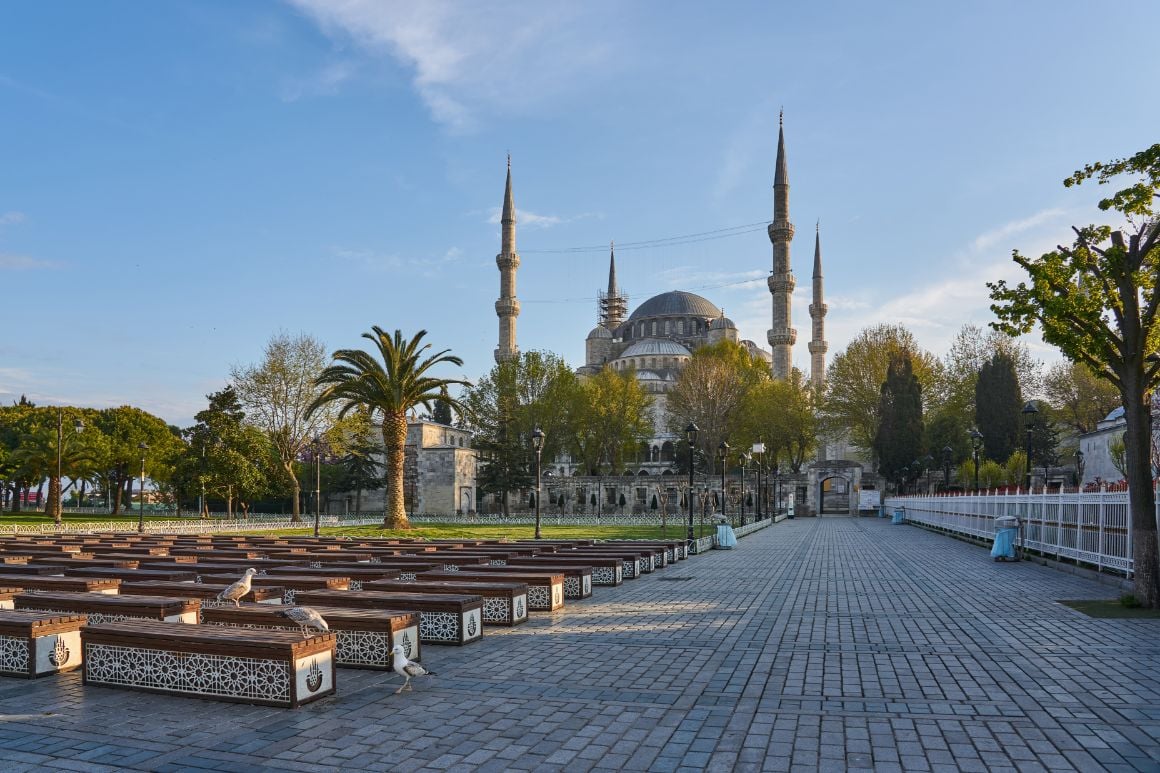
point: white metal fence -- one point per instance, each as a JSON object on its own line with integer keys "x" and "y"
{"x": 1089, "y": 528}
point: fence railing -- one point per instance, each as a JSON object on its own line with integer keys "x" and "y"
{"x": 1089, "y": 528}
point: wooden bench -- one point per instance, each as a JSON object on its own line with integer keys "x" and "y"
{"x": 273, "y": 668}
{"x": 365, "y": 637}
{"x": 577, "y": 577}
{"x": 357, "y": 574}
{"x": 606, "y": 570}
{"x": 443, "y": 618}
{"x": 87, "y": 563}
{"x": 317, "y": 558}
{"x": 291, "y": 584}
{"x": 106, "y": 585}
{"x": 8, "y": 571}
{"x": 504, "y": 603}
{"x": 7, "y": 595}
{"x": 206, "y": 594}
{"x": 130, "y": 575}
{"x": 631, "y": 562}
{"x": 545, "y": 588}
{"x": 440, "y": 560}
{"x": 39, "y": 643}
{"x": 101, "y": 608}
{"x": 14, "y": 558}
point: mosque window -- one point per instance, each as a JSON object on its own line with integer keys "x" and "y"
{"x": 654, "y": 327}
{"x": 652, "y": 362}
{"x": 680, "y": 327}
{"x": 666, "y": 327}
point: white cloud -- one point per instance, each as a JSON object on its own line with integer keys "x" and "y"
{"x": 23, "y": 263}
{"x": 526, "y": 219}
{"x": 12, "y": 218}
{"x": 325, "y": 82}
{"x": 1003, "y": 233}
{"x": 467, "y": 56}
{"x": 426, "y": 265}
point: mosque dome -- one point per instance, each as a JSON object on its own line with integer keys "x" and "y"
{"x": 656, "y": 347}
{"x": 722, "y": 323}
{"x": 599, "y": 332}
{"x": 676, "y": 304}
{"x": 649, "y": 375}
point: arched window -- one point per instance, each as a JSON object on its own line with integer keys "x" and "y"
{"x": 667, "y": 451}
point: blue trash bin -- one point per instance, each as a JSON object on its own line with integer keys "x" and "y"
{"x": 726, "y": 539}
{"x": 899, "y": 515}
{"x": 881, "y": 511}
{"x": 1006, "y": 531}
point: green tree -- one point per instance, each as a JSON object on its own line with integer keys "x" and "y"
{"x": 537, "y": 389}
{"x": 855, "y": 377}
{"x": 387, "y": 387}
{"x": 1081, "y": 398}
{"x": 782, "y": 414}
{"x": 970, "y": 350}
{"x": 608, "y": 420}
{"x": 441, "y": 413}
{"x": 946, "y": 429}
{"x": 1096, "y": 300}
{"x": 36, "y": 455}
{"x": 359, "y": 467}
{"x": 900, "y": 437}
{"x": 998, "y": 403}
{"x": 127, "y": 428}
{"x": 711, "y": 392}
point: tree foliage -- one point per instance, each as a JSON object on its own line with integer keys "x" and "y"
{"x": 388, "y": 385}
{"x": 277, "y": 395}
{"x": 1082, "y": 399}
{"x": 1096, "y": 300}
{"x": 899, "y": 439}
{"x": 972, "y": 348}
{"x": 998, "y": 402}
{"x": 855, "y": 377}
{"x": 711, "y": 392}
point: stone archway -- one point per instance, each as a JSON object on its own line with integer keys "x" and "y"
{"x": 846, "y": 503}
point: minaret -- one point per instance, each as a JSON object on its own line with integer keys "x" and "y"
{"x": 781, "y": 335}
{"x": 507, "y": 308}
{"x": 818, "y": 345}
{"x": 612, "y": 304}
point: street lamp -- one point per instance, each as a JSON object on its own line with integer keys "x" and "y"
{"x": 759, "y": 452}
{"x": 538, "y": 445}
{"x": 947, "y": 452}
{"x": 316, "y": 446}
{"x": 1029, "y": 412}
{"x": 691, "y": 438}
{"x": 723, "y": 455}
{"x": 142, "y": 447}
{"x": 904, "y": 476}
{"x": 776, "y": 488}
{"x": 976, "y": 446}
{"x": 1079, "y": 469}
{"x": 78, "y": 427}
{"x": 744, "y": 463}
{"x": 928, "y": 465}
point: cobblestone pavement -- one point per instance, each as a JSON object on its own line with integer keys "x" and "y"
{"x": 821, "y": 643}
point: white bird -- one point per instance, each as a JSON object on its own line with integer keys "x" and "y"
{"x": 406, "y": 668}
{"x": 306, "y": 618}
{"x": 237, "y": 590}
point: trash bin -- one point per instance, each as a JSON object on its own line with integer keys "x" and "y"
{"x": 726, "y": 539}
{"x": 899, "y": 515}
{"x": 1006, "y": 530}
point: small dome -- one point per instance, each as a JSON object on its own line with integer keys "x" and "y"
{"x": 655, "y": 347}
{"x": 648, "y": 375}
{"x": 722, "y": 323}
{"x": 599, "y": 332}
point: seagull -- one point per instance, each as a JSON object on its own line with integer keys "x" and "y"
{"x": 236, "y": 591}
{"x": 406, "y": 668}
{"x": 306, "y": 618}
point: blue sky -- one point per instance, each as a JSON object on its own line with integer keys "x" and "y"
{"x": 179, "y": 181}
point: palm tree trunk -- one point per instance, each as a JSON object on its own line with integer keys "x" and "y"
{"x": 50, "y": 507}
{"x": 395, "y": 441}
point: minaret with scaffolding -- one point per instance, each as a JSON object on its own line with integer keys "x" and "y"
{"x": 613, "y": 305}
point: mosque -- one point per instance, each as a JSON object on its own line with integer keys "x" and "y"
{"x": 658, "y": 338}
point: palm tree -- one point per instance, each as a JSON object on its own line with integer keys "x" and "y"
{"x": 391, "y": 387}
{"x": 37, "y": 454}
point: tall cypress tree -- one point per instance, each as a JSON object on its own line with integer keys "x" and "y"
{"x": 997, "y": 405}
{"x": 900, "y": 433}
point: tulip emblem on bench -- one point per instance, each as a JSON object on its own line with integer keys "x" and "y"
{"x": 471, "y": 625}
{"x": 59, "y": 655}
{"x": 519, "y": 607}
{"x": 314, "y": 677}
{"x": 406, "y": 642}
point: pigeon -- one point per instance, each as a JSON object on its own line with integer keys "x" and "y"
{"x": 236, "y": 591}
{"x": 406, "y": 668}
{"x": 306, "y": 618}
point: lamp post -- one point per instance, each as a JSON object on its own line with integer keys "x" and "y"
{"x": 691, "y": 438}
{"x": 1029, "y": 412}
{"x": 141, "y": 494}
{"x": 776, "y": 488}
{"x": 317, "y": 448}
{"x": 904, "y": 476}
{"x": 538, "y": 445}
{"x": 759, "y": 453}
{"x": 976, "y": 446}
{"x": 1079, "y": 469}
{"x": 947, "y": 453}
{"x": 744, "y": 464}
{"x": 78, "y": 427}
{"x": 723, "y": 455}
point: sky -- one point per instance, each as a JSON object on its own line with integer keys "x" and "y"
{"x": 180, "y": 181}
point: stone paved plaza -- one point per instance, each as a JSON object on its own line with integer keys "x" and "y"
{"x": 821, "y": 643}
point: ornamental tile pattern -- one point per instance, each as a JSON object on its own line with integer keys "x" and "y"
{"x": 13, "y": 655}
{"x": 495, "y": 610}
{"x": 235, "y": 677}
{"x": 439, "y": 626}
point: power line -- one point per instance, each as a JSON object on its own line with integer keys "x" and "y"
{"x": 704, "y": 236}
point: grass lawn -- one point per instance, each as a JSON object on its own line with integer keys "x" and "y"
{"x": 1110, "y": 608}
{"x": 28, "y": 518}
{"x": 494, "y": 531}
